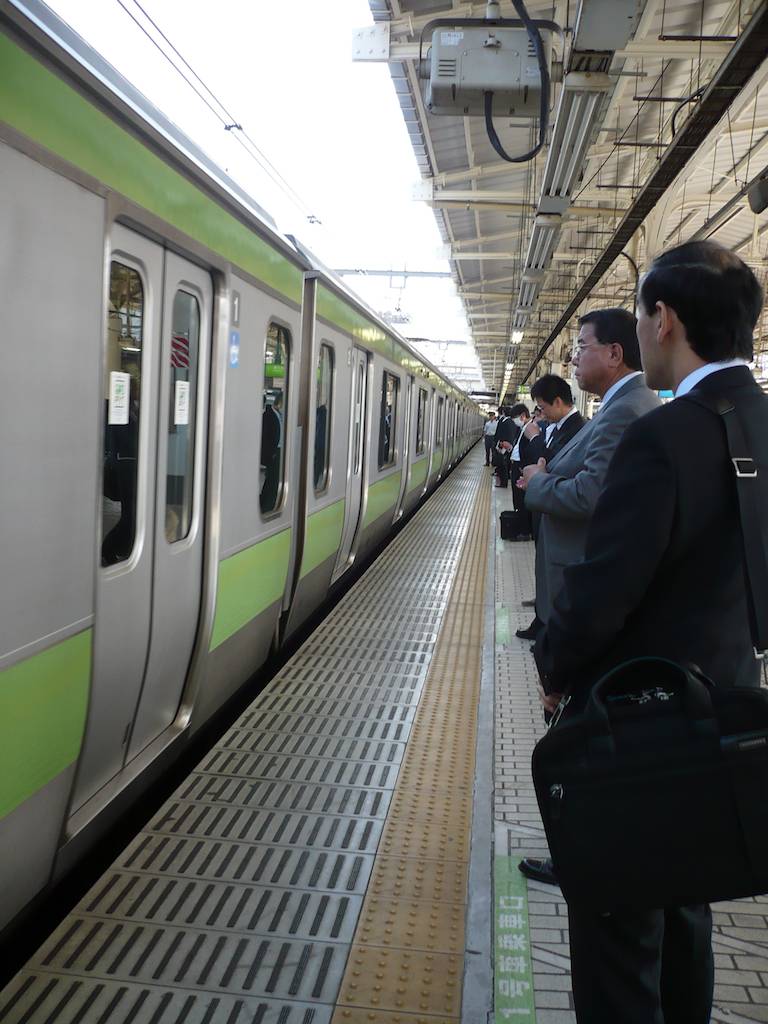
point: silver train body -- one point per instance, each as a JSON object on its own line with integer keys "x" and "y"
{"x": 202, "y": 431}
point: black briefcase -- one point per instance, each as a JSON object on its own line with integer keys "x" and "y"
{"x": 657, "y": 794}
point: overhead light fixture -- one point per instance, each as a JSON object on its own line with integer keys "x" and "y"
{"x": 517, "y": 336}
{"x": 509, "y": 367}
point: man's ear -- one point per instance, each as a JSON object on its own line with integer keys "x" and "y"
{"x": 668, "y": 322}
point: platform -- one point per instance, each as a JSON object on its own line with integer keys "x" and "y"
{"x": 348, "y": 851}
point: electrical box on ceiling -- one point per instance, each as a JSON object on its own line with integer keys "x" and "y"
{"x": 465, "y": 63}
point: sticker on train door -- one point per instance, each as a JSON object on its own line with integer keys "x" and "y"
{"x": 119, "y": 398}
{"x": 234, "y": 349}
{"x": 181, "y": 404}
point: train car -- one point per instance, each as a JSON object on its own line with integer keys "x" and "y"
{"x": 202, "y": 430}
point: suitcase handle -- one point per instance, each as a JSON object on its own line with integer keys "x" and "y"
{"x": 649, "y": 674}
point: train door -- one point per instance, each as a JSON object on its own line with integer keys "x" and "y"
{"x": 355, "y": 458}
{"x": 148, "y": 585}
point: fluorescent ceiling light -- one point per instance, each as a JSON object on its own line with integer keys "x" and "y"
{"x": 517, "y": 336}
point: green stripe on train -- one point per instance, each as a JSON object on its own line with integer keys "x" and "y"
{"x": 419, "y": 472}
{"x": 323, "y": 536}
{"x": 332, "y": 308}
{"x": 249, "y": 582}
{"x": 382, "y": 497}
{"x": 43, "y": 707}
{"x": 37, "y": 103}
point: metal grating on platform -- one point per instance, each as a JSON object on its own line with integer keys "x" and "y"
{"x": 239, "y": 900}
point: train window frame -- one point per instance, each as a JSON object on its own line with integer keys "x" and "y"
{"x": 440, "y": 421}
{"x": 391, "y": 450}
{"x": 422, "y": 420}
{"x": 282, "y": 482}
{"x": 191, "y": 415}
{"x": 108, "y": 477}
{"x": 325, "y": 478}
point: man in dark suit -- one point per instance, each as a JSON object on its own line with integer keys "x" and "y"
{"x": 554, "y": 398}
{"x": 508, "y": 433}
{"x": 663, "y": 574}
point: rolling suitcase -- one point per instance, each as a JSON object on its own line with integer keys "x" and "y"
{"x": 657, "y": 794}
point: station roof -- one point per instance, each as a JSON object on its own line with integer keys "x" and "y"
{"x": 656, "y": 144}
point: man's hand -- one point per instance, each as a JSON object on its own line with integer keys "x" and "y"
{"x": 532, "y": 429}
{"x": 529, "y": 472}
{"x": 549, "y": 701}
{"x": 506, "y": 445}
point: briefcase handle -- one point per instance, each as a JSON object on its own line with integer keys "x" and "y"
{"x": 659, "y": 678}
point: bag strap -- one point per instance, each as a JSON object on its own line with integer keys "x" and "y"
{"x": 756, "y": 564}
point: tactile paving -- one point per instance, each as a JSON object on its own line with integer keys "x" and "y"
{"x": 409, "y": 944}
{"x": 238, "y": 902}
{"x": 398, "y": 979}
{"x": 367, "y": 1015}
{"x": 412, "y": 878}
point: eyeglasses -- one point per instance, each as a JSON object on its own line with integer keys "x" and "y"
{"x": 583, "y": 348}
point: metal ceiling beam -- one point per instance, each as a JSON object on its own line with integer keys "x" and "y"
{"x": 666, "y": 50}
{"x": 744, "y": 58}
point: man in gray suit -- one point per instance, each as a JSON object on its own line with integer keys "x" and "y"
{"x": 565, "y": 492}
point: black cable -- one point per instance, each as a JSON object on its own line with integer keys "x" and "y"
{"x": 245, "y": 142}
{"x": 535, "y": 36}
{"x": 688, "y": 99}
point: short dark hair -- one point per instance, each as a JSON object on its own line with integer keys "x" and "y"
{"x": 517, "y": 409}
{"x": 716, "y": 296}
{"x": 550, "y": 386}
{"x": 616, "y": 327}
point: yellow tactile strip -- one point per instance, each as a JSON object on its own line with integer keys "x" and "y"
{"x": 406, "y": 964}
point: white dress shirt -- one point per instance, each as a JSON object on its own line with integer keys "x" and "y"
{"x": 689, "y": 383}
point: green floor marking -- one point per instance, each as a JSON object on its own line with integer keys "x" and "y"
{"x": 513, "y": 977}
{"x": 503, "y": 633}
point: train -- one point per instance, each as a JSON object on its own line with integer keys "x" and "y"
{"x": 203, "y": 430}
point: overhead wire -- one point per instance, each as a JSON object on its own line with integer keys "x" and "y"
{"x": 228, "y": 120}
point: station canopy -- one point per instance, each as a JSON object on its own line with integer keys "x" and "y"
{"x": 658, "y": 132}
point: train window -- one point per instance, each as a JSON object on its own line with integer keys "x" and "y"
{"x": 182, "y": 411}
{"x": 358, "y": 419}
{"x": 274, "y": 409}
{"x": 388, "y": 421}
{"x": 122, "y": 394}
{"x": 421, "y": 421}
{"x": 323, "y": 417}
{"x": 439, "y": 421}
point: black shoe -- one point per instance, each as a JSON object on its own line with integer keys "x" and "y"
{"x": 528, "y": 604}
{"x": 531, "y": 632}
{"x": 539, "y": 870}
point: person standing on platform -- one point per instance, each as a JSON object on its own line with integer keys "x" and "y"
{"x": 508, "y": 432}
{"x": 664, "y": 575}
{"x": 555, "y": 400}
{"x": 521, "y": 417}
{"x": 565, "y": 491}
{"x": 489, "y": 436}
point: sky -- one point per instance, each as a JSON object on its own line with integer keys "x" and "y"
{"x": 332, "y": 128}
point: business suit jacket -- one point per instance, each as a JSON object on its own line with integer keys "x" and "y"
{"x": 561, "y": 437}
{"x": 663, "y": 572}
{"x": 567, "y": 494}
{"x": 507, "y": 430}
